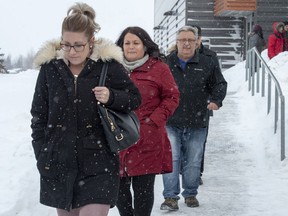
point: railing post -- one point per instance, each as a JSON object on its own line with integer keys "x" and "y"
{"x": 263, "y": 80}
{"x": 253, "y": 73}
{"x": 247, "y": 66}
{"x": 257, "y": 73}
{"x": 282, "y": 128}
{"x": 276, "y": 110}
{"x": 249, "y": 71}
{"x": 269, "y": 94}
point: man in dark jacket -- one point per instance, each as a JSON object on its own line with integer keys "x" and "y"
{"x": 202, "y": 88}
{"x": 210, "y": 53}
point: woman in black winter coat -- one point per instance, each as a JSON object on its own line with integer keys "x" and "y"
{"x": 79, "y": 174}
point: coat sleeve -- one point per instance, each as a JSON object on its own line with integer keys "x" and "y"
{"x": 39, "y": 112}
{"x": 271, "y": 46}
{"x": 252, "y": 41}
{"x": 169, "y": 96}
{"x": 125, "y": 96}
{"x": 218, "y": 86}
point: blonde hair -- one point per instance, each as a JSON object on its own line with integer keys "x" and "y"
{"x": 81, "y": 18}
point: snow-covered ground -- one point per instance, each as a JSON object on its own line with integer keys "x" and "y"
{"x": 243, "y": 172}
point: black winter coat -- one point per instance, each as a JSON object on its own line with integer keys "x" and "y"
{"x": 73, "y": 157}
{"x": 200, "y": 82}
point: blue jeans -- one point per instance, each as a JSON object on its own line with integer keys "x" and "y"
{"x": 187, "y": 150}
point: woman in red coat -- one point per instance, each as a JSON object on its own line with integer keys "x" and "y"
{"x": 151, "y": 155}
{"x": 276, "y": 41}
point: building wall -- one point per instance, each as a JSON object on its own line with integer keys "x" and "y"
{"x": 225, "y": 35}
{"x": 161, "y": 6}
{"x": 165, "y": 36}
{"x": 267, "y": 12}
{"x": 270, "y": 11}
{"x": 221, "y": 34}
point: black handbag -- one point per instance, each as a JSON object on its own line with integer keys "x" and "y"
{"x": 121, "y": 129}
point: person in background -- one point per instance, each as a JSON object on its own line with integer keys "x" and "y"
{"x": 276, "y": 40}
{"x": 201, "y": 48}
{"x": 213, "y": 55}
{"x": 151, "y": 155}
{"x": 286, "y": 34}
{"x": 202, "y": 88}
{"x": 79, "y": 173}
{"x": 256, "y": 38}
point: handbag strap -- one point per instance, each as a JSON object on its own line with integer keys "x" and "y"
{"x": 103, "y": 74}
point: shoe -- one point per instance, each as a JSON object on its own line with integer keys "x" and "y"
{"x": 200, "y": 181}
{"x": 191, "y": 202}
{"x": 170, "y": 204}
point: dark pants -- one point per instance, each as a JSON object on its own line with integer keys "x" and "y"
{"x": 202, "y": 162}
{"x": 143, "y": 190}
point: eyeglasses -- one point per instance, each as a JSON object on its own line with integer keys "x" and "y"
{"x": 189, "y": 40}
{"x": 76, "y": 47}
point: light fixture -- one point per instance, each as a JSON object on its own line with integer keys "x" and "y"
{"x": 171, "y": 13}
{"x": 159, "y": 27}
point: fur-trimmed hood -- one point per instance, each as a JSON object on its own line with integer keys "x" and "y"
{"x": 103, "y": 49}
{"x": 277, "y": 26}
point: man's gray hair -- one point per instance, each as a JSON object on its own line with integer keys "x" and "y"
{"x": 188, "y": 28}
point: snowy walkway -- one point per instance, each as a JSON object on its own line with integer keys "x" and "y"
{"x": 225, "y": 188}
{"x": 237, "y": 179}
{"x": 224, "y": 191}
{"x": 243, "y": 172}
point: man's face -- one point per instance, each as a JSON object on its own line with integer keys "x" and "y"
{"x": 286, "y": 27}
{"x": 186, "y": 45}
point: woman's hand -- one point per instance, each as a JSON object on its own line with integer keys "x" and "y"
{"x": 102, "y": 94}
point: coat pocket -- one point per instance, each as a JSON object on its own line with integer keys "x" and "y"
{"x": 48, "y": 162}
{"x": 97, "y": 157}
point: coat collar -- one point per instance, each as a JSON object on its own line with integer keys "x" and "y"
{"x": 103, "y": 49}
{"x": 148, "y": 64}
{"x": 194, "y": 59}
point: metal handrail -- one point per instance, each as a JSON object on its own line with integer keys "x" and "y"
{"x": 253, "y": 62}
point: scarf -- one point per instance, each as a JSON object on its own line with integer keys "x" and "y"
{"x": 135, "y": 64}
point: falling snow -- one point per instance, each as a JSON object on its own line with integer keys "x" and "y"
{"x": 243, "y": 172}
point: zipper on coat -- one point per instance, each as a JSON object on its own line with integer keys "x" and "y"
{"x": 75, "y": 88}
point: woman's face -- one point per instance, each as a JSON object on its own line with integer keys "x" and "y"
{"x": 75, "y": 46}
{"x": 133, "y": 47}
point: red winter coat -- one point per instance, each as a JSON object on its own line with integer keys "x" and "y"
{"x": 160, "y": 97}
{"x": 276, "y": 42}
